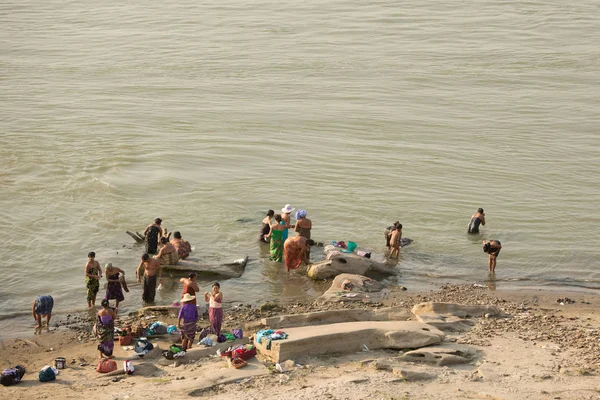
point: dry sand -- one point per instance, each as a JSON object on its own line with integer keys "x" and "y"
{"x": 538, "y": 350}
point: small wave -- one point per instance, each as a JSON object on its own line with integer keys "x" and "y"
{"x": 108, "y": 185}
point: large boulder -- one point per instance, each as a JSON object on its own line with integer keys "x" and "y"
{"x": 340, "y": 263}
{"x": 351, "y": 287}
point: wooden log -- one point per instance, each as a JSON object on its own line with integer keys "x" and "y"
{"x": 136, "y": 236}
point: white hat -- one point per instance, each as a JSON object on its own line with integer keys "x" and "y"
{"x": 187, "y": 297}
{"x": 287, "y": 209}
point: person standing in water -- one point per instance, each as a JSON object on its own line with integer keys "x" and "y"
{"x": 388, "y": 233}
{"x": 295, "y": 250}
{"x": 266, "y": 227}
{"x": 93, "y": 274}
{"x": 215, "y": 310}
{"x": 476, "y": 219}
{"x": 395, "y": 241}
{"x": 276, "y": 240}
{"x": 286, "y": 220}
{"x": 492, "y": 247}
{"x": 151, "y": 267}
{"x": 153, "y": 233}
{"x": 302, "y": 227}
{"x": 190, "y": 286}
{"x": 114, "y": 289}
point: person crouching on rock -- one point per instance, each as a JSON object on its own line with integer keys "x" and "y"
{"x": 188, "y": 315}
{"x": 183, "y": 248}
{"x": 492, "y": 247}
{"x": 168, "y": 253}
{"x": 151, "y": 268}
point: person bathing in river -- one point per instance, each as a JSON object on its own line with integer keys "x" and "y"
{"x": 476, "y": 219}
{"x": 266, "y": 227}
{"x": 388, "y": 233}
{"x": 93, "y": 274}
{"x": 492, "y": 247}
{"x": 114, "y": 289}
{"x": 151, "y": 268}
{"x": 215, "y": 310}
{"x": 276, "y": 238}
{"x": 190, "y": 286}
{"x": 395, "y": 241}
{"x": 42, "y": 307}
{"x": 153, "y": 233}
{"x": 302, "y": 227}
{"x": 295, "y": 250}
{"x": 286, "y": 220}
{"x": 183, "y": 248}
{"x": 168, "y": 253}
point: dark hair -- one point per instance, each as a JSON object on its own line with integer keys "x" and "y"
{"x": 158, "y": 221}
{"x": 399, "y": 226}
{"x": 396, "y": 223}
{"x": 278, "y": 217}
{"x": 163, "y": 240}
{"x": 192, "y": 275}
{"x": 104, "y": 303}
{"x": 487, "y": 247}
{"x": 91, "y": 254}
{"x": 177, "y": 235}
{"x": 145, "y": 256}
{"x": 217, "y": 285}
{"x": 480, "y": 210}
{"x": 310, "y": 242}
{"x": 270, "y": 213}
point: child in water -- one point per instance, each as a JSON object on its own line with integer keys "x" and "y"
{"x": 395, "y": 239}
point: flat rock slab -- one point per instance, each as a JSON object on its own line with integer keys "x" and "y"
{"x": 457, "y": 310}
{"x": 336, "y": 316}
{"x": 350, "y": 337}
{"x": 211, "y": 376}
{"x": 447, "y": 354}
{"x": 206, "y": 269}
{"x": 445, "y": 323}
{"x": 411, "y": 375}
{"x": 349, "y": 264}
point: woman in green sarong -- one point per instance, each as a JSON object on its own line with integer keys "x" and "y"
{"x": 93, "y": 273}
{"x": 276, "y": 235}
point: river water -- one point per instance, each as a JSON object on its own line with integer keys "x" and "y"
{"x": 362, "y": 112}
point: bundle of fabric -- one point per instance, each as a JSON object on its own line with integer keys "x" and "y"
{"x": 106, "y": 365}
{"x": 128, "y": 367}
{"x": 12, "y": 376}
{"x": 238, "y": 333}
{"x": 47, "y": 374}
{"x": 142, "y": 347}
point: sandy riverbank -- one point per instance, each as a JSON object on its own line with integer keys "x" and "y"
{"x": 538, "y": 349}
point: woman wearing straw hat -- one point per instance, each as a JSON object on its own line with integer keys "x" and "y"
{"x": 285, "y": 220}
{"x": 188, "y": 315}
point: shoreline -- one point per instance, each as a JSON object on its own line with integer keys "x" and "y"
{"x": 61, "y": 316}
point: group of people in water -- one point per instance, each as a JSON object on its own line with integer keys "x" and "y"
{"x": 294, "y": 250}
